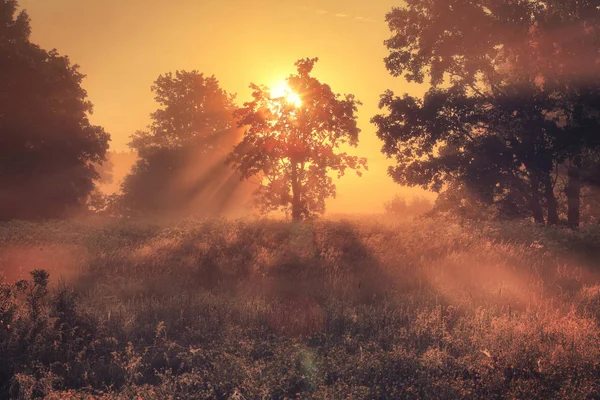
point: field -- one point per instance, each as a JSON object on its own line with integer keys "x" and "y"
{"x": 363, "y": 309}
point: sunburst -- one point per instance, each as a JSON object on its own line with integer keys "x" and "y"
{"x": 282, "y": 90}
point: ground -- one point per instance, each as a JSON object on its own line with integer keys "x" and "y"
{"x": 252, "y": 309}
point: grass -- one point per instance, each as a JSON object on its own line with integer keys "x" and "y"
{"x": 364, "y": 309}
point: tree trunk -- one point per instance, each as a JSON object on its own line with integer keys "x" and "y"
{"x": 573, "y": 194}
{"x": 296, "y": 199}
{"x": 534, "y": 201}
{"x": 551, "y": 200}
{"x": 536, "y": 209}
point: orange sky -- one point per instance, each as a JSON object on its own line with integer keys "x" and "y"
{"x": 123, "y": 45}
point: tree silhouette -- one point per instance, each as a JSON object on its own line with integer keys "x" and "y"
{"x": 181, "y": 155}
{"x": 47, "y": 144}
{"x": 292, "y": 144}
{"x": 514, "y": 94}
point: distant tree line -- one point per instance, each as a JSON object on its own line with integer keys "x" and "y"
{"x": 508, "y": 127}
{"x": 417, "y": 206}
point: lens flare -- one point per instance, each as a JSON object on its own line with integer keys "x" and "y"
{"x": 282, "y": 90}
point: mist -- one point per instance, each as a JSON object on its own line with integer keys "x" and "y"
{"x": 275, "y": 200}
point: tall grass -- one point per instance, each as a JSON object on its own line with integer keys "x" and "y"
{"x": 270, "y": 309}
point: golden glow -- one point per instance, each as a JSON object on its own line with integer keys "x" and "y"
{"x": 282, "y": 90}
{"x": 268, "y": 35}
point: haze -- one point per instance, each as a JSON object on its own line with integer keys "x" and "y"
{"x": 122, "y": 46}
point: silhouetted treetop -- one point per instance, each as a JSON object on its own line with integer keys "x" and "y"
{"x": 192, "y": 108}
{"x": 181, "y": 165}
{"x": 47, "y": 144}
{"x": 292, "y": 142}
{"x": 465, "y": 38}
{"x": 514, "y": 92}
{"x": 13, "y": 27}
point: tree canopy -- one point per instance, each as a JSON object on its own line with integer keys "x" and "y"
{"x": 292, "y": 145}
{"x": 181, "y": 155}
{"x": 513, "y": 94}
{"x": 47, "y": 144}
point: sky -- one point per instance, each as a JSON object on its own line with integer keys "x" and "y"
{"x": 124, "y": 45}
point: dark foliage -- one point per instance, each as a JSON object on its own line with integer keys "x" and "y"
{"x": 181, "y": 156}
{"x": 47, "y": 144}
{"x": 514, "y": 94}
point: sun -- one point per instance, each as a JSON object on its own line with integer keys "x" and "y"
{"x": 282, "y": 90}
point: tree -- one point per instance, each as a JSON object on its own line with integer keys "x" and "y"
{"x": 479, "y": 144}
{"x": 47, "y": 145}
{"x": 513, "y": 91}
{"x": 180, "y": 166}
{"x": 292, "y": 142}
{"x": 588, "y": 181}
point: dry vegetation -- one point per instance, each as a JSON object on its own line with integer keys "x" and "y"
{"x": 218, "y": 309}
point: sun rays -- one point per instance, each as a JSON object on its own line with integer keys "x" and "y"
{"x": 283, "y": 91}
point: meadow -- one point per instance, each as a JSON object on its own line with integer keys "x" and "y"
{"x": 267, "y": 309}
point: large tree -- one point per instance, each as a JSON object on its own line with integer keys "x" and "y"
{"x": 181, "y": 165}
{"x": 47, "y": 145}
{"x": 292, "y": 142}
{"x": 513, "y": 87}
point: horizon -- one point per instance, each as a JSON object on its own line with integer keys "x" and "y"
{"x": 158, "y": 37}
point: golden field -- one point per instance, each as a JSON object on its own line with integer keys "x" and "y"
{"x": 266, "y": 309}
